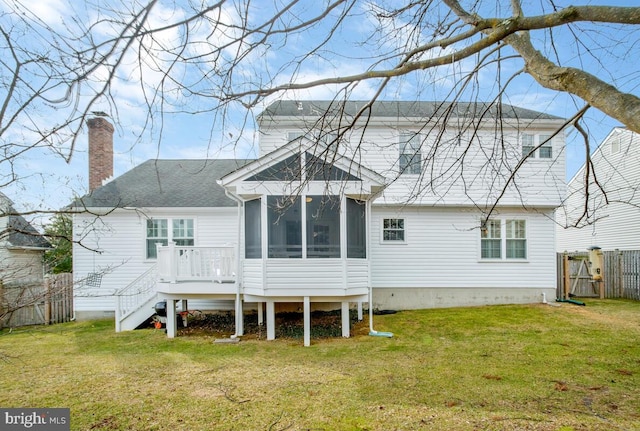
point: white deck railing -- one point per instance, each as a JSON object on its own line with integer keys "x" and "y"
{"x": 190, "y": 263}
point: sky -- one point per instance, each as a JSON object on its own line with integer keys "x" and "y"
{"x": 185, "y": 125}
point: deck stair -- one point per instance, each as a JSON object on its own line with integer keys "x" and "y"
{"x": 134, "y": 303}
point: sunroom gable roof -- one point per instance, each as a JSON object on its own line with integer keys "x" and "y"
{"x": 341, "y": 168}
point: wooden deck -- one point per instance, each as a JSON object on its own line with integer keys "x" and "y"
{"x": 189, "y": 272}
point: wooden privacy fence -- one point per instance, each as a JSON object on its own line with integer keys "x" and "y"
{"x": 620, "y": 275}
{"x": 37, "y": 302}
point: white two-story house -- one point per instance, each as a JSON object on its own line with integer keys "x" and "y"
{"x": 398, "y": 205}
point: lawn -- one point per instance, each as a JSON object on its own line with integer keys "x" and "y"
{"x": 529, "y": 367}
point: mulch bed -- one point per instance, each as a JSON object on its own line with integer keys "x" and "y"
{"x": 324, "y": 324}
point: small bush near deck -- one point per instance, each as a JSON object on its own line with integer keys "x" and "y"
{"x": 527, "y": 367}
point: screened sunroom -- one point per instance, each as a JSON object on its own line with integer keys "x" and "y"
{"x": 304, "y": 215}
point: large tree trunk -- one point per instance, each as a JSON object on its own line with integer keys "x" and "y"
{"x": 624, "y": 107}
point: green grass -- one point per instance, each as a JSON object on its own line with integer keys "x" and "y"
{"x": 487, "y": 368}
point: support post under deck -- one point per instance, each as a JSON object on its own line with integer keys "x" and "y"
{"x": 172, "y": 324}
{"x": 345, "y": 319}
{"x": 271, "y": 320}
{"x": 307, "y": 321}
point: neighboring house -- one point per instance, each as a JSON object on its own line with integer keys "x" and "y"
{"x": 605, "y": 211}
{"x": 329, "y": 215}
{"x": 22, "y": 247}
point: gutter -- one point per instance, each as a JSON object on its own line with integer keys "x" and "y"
{"x": 28, "y": 248}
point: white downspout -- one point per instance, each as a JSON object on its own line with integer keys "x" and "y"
{"x": 239, "y": 332}
{"x": 372, "y": 331}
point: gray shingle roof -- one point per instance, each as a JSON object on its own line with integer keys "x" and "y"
{"x": 20, "y": 233}
{"x": 166, "y": 183}
{"x": 408, "y": 109}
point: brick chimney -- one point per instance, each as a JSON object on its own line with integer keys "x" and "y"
{"x": 100, "y": 151}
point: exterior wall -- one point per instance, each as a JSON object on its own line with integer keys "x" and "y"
{"x": 610, "y": 225}
{"x": 440, "y": 264}
{"x": 114, "y": 246}
{"x": 488, "y": 160}
{"x": 305, "y": 277}
{"x": 17, "y": 264}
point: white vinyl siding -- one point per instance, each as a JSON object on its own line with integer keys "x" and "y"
{"x": 614, "y": 221}
{"x": 615, "y": 145}
{"x": 377, "y": 148}
{"x": 444, "y": 252}
{"x": 21, "y": 265}
{"x": 119, "y": 241}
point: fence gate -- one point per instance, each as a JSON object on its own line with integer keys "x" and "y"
{"x": 577, "y": 280}
{"x": 621, "y": 275}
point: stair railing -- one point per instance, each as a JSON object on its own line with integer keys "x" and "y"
{"x": 131, "y": 297}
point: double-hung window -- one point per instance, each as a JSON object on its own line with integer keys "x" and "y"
{"x": 410, "y": 161}
{"x": 181, "y": 232}
{"x": 516, "y": 239}
{"x": 546, "y": 150}
{"x": 536, "y": 146}
{"x": 504, "y": 239}
{"x": 491, "y": 240}
{"x": 157, "y": 232}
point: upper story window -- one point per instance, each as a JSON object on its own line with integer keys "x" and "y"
{"x": 530, "y": 142}
{"x": 410, "y": 161}
{"x": 182, "y": 233}
{"x": 393, "y": 230}
{"x": 504, "y": 239}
